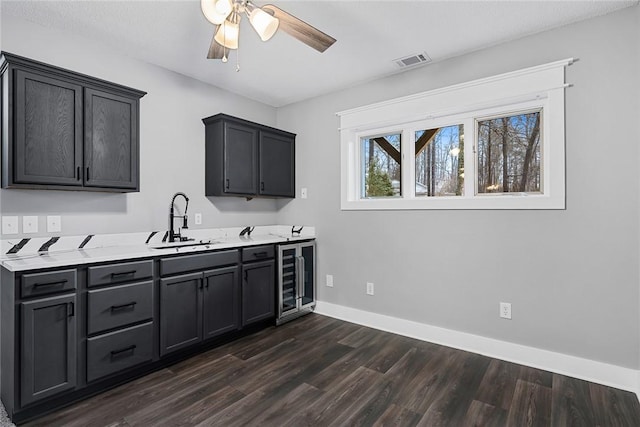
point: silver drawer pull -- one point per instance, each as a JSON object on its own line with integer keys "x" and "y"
{"x": 122, "y": 306}
{"x": 123, "y": 350}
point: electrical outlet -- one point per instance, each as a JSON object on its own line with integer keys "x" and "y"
{"x": 330, "y": 280}
{"x": 9, "y": 225}
{"x": 505, "y": 310}
{"x": 303, "y": 193}
{"x": 197, "y": 218}
{"x": 54, "y": 224}
{"x": 369, "y": 288}
{"x": 29, "y": 224}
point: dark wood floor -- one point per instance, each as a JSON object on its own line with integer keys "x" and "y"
{"x": 318, "y": 371}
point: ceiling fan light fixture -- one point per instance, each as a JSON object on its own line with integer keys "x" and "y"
{"x": 264, "y": 24}
{"x": 216, "y": 11}
{"x": 228, "y": 33}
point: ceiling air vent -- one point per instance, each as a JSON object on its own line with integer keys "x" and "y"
{"x": 412, "y": 60}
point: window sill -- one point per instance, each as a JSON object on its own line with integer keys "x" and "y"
{"x": 482, "y": 202}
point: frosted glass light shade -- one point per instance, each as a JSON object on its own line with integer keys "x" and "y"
{"x": 216, "y": 11}
{"x": 264, "y": 24}
{"x": 227, "y": 34}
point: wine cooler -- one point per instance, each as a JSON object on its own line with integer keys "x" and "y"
{"x": 296, "y": 280}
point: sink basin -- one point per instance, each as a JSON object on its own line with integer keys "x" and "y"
{"x": 192, "y": 244}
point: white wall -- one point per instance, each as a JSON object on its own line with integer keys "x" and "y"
{"x": 171, "y": 142}
{"x": 572, "y": 275}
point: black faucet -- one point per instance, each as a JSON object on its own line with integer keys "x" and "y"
{"x": 172, "y": 234}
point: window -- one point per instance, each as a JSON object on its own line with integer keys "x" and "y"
{"x": 440, "y": 161}
{"x": 509, "y": 154}
{"x": 381, "y": 166}
{"x": 495, "y": 143}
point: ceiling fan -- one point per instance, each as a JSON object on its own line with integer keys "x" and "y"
{"x": 266, "y": 20}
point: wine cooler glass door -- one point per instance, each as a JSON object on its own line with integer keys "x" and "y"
{"x": 289, "y": 280}
{"x": 307, "y": 285}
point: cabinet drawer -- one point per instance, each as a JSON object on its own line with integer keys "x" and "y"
{"x": 118, "y": 273}
{"x": 48, "y": 283}
{"x": 258, "y": 253}
{"x": 183, "y": 264}
{"x": 115, "y": 351}
{"x": 119, "y": 306}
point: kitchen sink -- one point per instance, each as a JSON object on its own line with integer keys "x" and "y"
{"x": 192, "y": 244}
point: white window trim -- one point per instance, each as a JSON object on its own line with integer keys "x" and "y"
{"x": 540, "y": 87}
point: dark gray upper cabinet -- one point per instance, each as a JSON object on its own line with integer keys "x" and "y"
{"x": 277, "y": 160}
{"x": 248, "y": 159}
{"x": 111, "y": 140}
{"x": 65, "y": 130}
{"x": 48, "y": 361}
{"x": 48, "y": 130}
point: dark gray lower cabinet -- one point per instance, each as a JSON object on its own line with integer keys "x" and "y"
{"x": 258, "y": 291}
{"x": 118, "y": 350}
{"x": 48, "y": 347}
{"x": 198, "y": 306}
{"x": 221, "y": 301}
{"x": 180, "y": 312}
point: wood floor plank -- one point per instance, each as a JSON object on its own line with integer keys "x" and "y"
{"x": 318, "y": 371}
{"x": 614, "y": 408}
{"x": 389, "y": 352}
{"x": 456, "y": 391}
{"x": 397, "y": 416}
{"x": 280, "y": 414}
{"x": 200, "y": 410}
{"x": 498, "y": 384}
{"x": 571, "y": 403}
{"x": 340, "y": 400}
{"x": 482, "y": 414}
{"x": 531, "y": 405}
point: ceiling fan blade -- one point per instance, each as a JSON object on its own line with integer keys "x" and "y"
{"x": 216, "y": 50}
{"x": 299, "y": 29}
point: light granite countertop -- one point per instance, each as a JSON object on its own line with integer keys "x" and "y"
{"x": 105, "y": 248}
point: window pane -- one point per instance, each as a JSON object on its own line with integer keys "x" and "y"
{"x": 381, "y": 166}
{"x": 509, "y": 154}
{"x": 440, "y": 161}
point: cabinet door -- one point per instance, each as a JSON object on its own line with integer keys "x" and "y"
{"x": 308, "y": 271}
{"x": 180, "y": 312}
{"x": 48, "y": 347}
{"x": 240, "y": 159}
{"x": 48, "y": 131}
{"x": 111, "y": 140}
{"x": 258, "y": 291}
{"x": 277, "y": 165}
{"x": 221, "y": 305}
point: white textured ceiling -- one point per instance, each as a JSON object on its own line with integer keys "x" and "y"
{"x": 370, "y": 34}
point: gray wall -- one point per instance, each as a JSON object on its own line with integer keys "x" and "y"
{"x": 571, "y": 275}
{"x": 171, "y": 142}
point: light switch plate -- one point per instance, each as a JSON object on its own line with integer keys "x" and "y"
{"x": 303, "y": 193}
{"x": 54, "y": 224}
{"x": 29, "y": 224}
{"x": 9, "y": 225}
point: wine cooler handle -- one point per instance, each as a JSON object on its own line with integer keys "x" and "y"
{"x": 300, "y": 278}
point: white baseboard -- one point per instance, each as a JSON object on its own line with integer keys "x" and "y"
{"x": 577, "y": 367}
